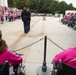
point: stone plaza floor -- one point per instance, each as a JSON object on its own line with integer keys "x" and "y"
{"x": 33, "y": 42}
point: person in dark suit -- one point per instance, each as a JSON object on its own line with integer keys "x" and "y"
{"x": 25, "y": 15}
{"x": 29, "y": 19}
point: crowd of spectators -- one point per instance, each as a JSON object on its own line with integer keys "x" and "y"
{"x": 69, "y": 20}
{"x": 9, "y": 14}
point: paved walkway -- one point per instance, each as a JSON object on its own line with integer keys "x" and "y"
{"x": 15, "y": 37}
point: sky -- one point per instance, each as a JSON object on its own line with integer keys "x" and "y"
{"x": 70, "y": 1}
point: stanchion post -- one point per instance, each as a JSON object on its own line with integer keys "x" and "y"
{"x": 44, "y": 70}
{"x": 44, "y": 67}
{"x": 44, "y": 16}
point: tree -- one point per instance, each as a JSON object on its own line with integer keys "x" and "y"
{"x": 70, "y": 6}
{"x": 10, "y": 3}
{"x": 54, "y": 6}
{"x": 62, "y": 7}
{"x": 42, "y": 6}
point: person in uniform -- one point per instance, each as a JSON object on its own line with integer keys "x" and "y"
{"x": 25, "y": 15}
{"x": 29, "y": 18}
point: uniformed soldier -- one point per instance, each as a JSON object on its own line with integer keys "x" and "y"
{"x": 25, "y": 15}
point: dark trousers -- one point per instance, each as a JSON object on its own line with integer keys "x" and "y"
{"x": 2, "y": 19}
{"x": 6, "y": 17}
{"x": 26, "y": 27}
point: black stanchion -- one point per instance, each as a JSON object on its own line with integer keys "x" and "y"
{"x": 44, "y": 17}
{"x": 44, "y": 69}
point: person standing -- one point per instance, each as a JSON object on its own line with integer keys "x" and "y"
{"x": 29, "y": 18}
{"x": 25, "y": 18}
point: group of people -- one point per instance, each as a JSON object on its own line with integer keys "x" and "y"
{"x": 67, "y": 56}
{"x": 7, "y": 55}
{"x": 70, "y": 20}
{"x": 9, "y": 14}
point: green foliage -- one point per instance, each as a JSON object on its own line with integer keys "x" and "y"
{"x": 10, "y": 3}
{"x": 42, "y": 6}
